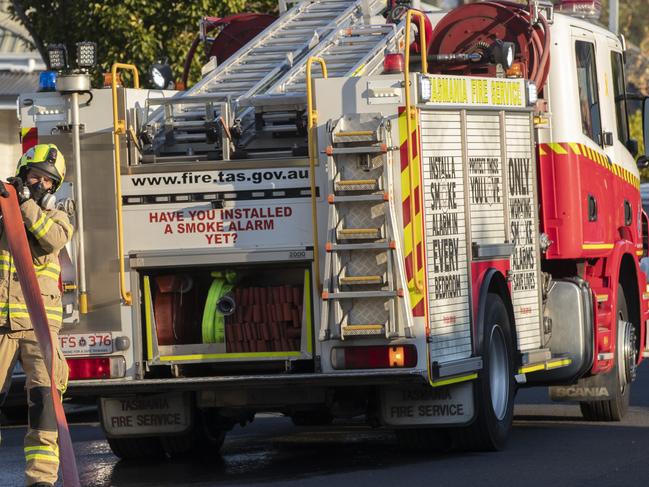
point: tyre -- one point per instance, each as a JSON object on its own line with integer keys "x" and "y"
{"x": 623, "y": 371}
{"x": 205, "y": 438}
{"x": 423, "y": 440}
{"x": 210, "y": 433}
{"x": 312, "y": 418}
{"x": 178, "y": 445}
{"x": 495, "y": 388}
{"x": 136, "y": 448}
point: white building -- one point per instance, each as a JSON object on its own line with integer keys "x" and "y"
{"x": 20, "y": 65}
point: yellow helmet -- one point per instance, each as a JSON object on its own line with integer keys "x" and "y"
{"x": 47, "y": 159}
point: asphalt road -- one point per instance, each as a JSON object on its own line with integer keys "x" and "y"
{"x": 550, "y": 446}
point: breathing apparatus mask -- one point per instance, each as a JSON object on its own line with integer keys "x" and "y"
{"x": 37, "y": 191}
{"x": 42, "y": 196}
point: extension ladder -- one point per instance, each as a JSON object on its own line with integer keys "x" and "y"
{"x": 256, "y": 67}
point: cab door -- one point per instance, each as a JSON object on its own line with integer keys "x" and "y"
{"x": 625, "y": 172}
{"x": 590, "y": 152}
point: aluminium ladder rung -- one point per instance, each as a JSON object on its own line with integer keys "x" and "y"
{"x": 338, "y": 247}
{"x": 261, "y": 61}
{"x": 242, "y": 75}
{"x": 280, "y": 129}
{"x": 231, "y": 86}
{"x": 345, "y": 136}
{"x": 334, "y": 199}
{"x": 184, "y": 137}
{"x": 360, "y": 280}
{"x": 359, "y": 295}
{"x": 363, "y": 330}
{"x": 358, "y": 233}
{"x": 223, "y": 94}
{"x": 369, "y": 149}
{"x": 357, "y": 185}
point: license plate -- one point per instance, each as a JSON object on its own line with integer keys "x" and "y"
{"x": 86, "y": 344}
{"x": 427, "y": 405}
{"x": 146, "y": 415}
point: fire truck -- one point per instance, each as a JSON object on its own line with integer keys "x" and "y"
{"x": 369, "y": 209}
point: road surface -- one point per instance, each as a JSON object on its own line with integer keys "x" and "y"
{"x": 550, "y": 446}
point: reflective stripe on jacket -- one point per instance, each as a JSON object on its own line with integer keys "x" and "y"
{"x": 47, "y": 232}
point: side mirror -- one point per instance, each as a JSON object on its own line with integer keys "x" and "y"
{"x": 643, "y": 162}
{"x": 645, "y": 125}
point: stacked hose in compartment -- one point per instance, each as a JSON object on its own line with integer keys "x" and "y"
{"x": 266, "y": 319}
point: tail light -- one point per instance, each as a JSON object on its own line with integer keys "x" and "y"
{"x": 96, "y": 368}
{"x": 374, "y": 357}
{"x": 393, "y": 63}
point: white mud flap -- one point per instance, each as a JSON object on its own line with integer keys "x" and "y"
{"x": 595, "y": 388}
{"x": 151, "y": 415}
{"x": 447, "y": 405}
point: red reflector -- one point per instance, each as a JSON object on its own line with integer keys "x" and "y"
{"x": 89, "y": 368}
{"x": 379, "y": 357}
{"x": 393, "y": 63}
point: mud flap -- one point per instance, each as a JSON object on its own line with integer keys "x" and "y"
{"x": 596, "y": 388}
{"x": 425, "y": 405}
{"x": 146, "y": 415}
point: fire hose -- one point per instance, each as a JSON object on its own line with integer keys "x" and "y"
{"x": 218, "y": 305}
{"x": 19, "y": 247}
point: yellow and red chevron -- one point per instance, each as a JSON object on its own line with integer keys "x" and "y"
{"x": 28, "y": 138}
{"x": 563, "y": 148}
{"x": 416, "y": 297}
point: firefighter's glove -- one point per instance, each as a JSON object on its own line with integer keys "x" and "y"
{"x": 3, "y": 191}
{"x": 22, "y": 191}
{"x": 37, "y": 192}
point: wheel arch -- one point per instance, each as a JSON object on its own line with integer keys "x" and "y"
{"x": 628, "y": 279}
{"x": 493, "y": 281}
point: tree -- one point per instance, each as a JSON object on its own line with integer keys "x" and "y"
{"x": 631, "y": 20}
{"x": 131, "y": 31}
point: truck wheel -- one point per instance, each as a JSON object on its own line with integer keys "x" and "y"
{"x": 421, "y": 440}
{"x": 177, "y": 445}
{"x": 624, "y": 370}
{"x": 495, "y": 388}
{"x": 204, "y": 438}
{"x": 210, "y": 433}
{"x": 136, "y": 448}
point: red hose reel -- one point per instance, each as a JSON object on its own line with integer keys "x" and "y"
{"x": 474, "y": 27}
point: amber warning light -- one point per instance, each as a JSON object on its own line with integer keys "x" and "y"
{"x": 374, "y": 357}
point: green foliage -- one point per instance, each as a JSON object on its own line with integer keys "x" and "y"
{"x": 129, "y": 31}
{"x": 635, "y": 129}
{"x": 631, "y": 20}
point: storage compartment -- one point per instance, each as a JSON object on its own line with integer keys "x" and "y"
{"x": 242, "y": 311}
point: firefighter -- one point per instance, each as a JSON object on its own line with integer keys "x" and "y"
{"x": 39, "y": 174}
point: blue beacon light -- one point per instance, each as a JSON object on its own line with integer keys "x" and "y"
{"x": 47, "y": 81}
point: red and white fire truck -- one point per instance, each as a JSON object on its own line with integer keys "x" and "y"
{"x": 367, "y": 210}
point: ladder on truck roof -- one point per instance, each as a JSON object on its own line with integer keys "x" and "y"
{"x": 348, "y": 51}
{"x": 266, "y": 63}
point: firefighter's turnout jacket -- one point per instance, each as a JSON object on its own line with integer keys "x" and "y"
{"x": 47, "y": 232}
